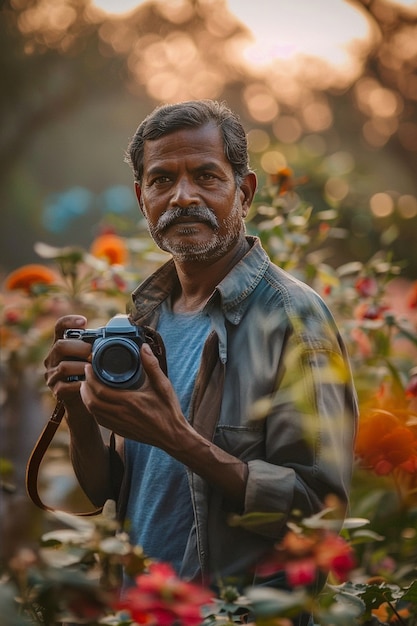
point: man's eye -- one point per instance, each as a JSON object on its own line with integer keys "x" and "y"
{"x": 160, "y": 180}
{"x": 207, "y": 176}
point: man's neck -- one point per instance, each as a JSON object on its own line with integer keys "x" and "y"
{"x": 198, "y": 280}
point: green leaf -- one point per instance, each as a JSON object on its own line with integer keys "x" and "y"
{"x": 253, "y": 520}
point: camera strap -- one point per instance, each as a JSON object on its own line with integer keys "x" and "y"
{"x": 37, "y": 455}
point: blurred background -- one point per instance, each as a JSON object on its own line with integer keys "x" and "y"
{"x": 328, "y": 88}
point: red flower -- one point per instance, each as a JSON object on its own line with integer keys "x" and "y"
{"x": 411, "y": 389}
{"x": 13, "y": 316}
{"x": 335, "y": 555}
{"x": 412, "y": 296}
{"x": 370, "y": 311}
{"x": 301, "y": 557}
{"x": 161, "y": 598}
{"x": 366, "y": 286}
{"x": 301, "y": 571}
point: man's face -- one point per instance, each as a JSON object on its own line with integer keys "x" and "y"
{"x": 189, "y": 195}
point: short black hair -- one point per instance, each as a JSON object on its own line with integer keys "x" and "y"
{"x": 169, "y": 118}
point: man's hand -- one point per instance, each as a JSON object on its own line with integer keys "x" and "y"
{"x": 66, "y": 360}
{"x": 151, "y": 414}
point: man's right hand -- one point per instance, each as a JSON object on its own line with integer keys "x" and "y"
{"x": 66, "y": 360}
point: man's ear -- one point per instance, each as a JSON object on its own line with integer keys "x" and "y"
{"x": 247, "y": 191}
{"x": 138, "y": 192}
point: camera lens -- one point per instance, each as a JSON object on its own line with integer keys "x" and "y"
{"x": 116, "y": 361}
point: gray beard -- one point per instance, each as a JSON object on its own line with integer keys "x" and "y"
{"x": 218, "y": 245}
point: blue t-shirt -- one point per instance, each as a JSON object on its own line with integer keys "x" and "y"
{"x": 159, "y": 512}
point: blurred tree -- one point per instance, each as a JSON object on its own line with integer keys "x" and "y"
{"x": 51, "y": 60}
{"x": 353, "y": 140}
{"x": 386, "y": 94}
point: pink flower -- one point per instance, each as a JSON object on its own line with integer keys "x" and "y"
{"x": 161, "y": 598}
{"x": 362, "y": 341}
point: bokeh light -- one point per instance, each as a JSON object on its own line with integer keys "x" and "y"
{"x": 381, "y": 204}
{"x": 272, "y": 161}
{"x": 407, "y": 206}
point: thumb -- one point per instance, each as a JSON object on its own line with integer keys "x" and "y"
{"x": 150, "y": 363}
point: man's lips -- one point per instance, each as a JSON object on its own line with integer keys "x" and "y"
{"x": 189, "y": 220}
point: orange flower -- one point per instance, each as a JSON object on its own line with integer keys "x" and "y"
{"x": 385, "y": 442}
{"x": 384, "y": 614}
{"x": 28, "y": 276}
{"x": 285, "y": 180}
{"x": 110, "y": 247}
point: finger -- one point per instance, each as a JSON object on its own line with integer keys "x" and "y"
{"x": 100, "y": 391}
{"x": 152, "y": 368}
{"x": 67, "y": 350}
{"x": 68, "y": 321}
{"x": 65, "y": 371}
{"x": 99, "y": 400}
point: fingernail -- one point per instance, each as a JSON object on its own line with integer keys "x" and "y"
{"x": 147, "y": 348}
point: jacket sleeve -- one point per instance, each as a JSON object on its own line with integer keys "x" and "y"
{"x": 310, "y": 424}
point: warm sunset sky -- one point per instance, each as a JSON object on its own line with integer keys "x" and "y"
{"x": 297, "y": 24}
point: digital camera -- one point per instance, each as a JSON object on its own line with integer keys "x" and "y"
{"x": 115, "y": 353}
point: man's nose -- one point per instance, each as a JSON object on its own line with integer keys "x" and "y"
{"x": 185, "y": 193}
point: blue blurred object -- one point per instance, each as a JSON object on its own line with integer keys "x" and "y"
{"x": 62, "y": 208}
{"x": 117, "y": 199}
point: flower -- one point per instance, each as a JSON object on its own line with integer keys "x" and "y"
{"x": 362, "y": 341}
{"x": 412, "y": 296}
{"x": 335, "y": 555}
{"x": 285, "y": 180}
{"x": 161, "y": 598}
{"x": 27, "y": 277}
{"x": 366, "y": 286}
{"x": 411, "y": 388}
{"x": 370, "y": 311}
{"x": 386, "y": 442}
{"x": 302, "y": 557}
{"x": 110, "y": 247}
{"x": 385, "y": 614}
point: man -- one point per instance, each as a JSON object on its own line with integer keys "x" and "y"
{"x": 257, "y": 413}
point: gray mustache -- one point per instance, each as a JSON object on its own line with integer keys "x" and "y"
{"x": 201, "y": 213}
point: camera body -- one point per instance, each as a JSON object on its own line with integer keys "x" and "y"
{"x": 115, "y": 352}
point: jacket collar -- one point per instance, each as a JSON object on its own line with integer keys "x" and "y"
{"x": 232, "y": 291}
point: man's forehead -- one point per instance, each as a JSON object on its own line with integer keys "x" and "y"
{"x": 200, "y": 143}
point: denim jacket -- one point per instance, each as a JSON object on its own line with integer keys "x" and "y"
{"x": 274, "y": 390}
